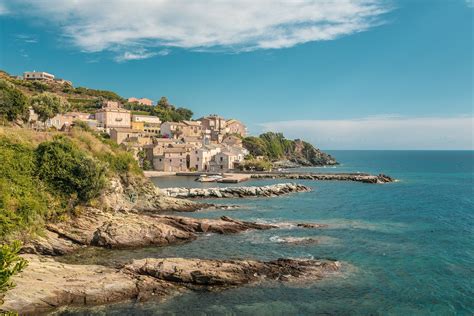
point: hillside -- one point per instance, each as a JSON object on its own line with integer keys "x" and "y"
{"x": 89, "y": 100}
{"x": 276, "y": 148}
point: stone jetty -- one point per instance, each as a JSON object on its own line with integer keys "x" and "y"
{"x": 237, "y": 192}
{"x": 358, "y": 177}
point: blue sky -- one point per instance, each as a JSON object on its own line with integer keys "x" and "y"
{"x": 360, "y": 74}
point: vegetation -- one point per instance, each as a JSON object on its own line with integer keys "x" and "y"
{"x": 44, "y": 175}
{"x": 254, "y": 164}
{"x": 164, "y": 110}
{"x": 13, "y": 102}
{"x": 47, "y": 105}
{"x": 10, "y": 264}
{"x": 274, "y": 146}
{"x": 68, "y": 170}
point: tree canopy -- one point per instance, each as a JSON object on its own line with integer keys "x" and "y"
{"x": 13, "y": 103}
{"x": 47, "y": 105}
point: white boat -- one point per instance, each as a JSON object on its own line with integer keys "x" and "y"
{"x": 206, "y": 178}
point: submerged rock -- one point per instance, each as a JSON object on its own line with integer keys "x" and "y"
{"x": 46, "y": 284}
{"x": 311, "y": 225}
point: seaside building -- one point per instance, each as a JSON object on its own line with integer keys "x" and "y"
{"x": 174, "y": 158}
{"x": 142, "y": 101}
{"x": 37, "y": 75}
{"x": 227, "y": 159}
{"x": 214, "y": 127}
{"x": 200, "y": 158}
{"x": 111, "y": 115}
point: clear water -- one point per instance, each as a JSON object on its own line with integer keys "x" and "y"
{"x": 408, "y": 246}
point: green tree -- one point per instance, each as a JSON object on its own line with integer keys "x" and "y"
{"x": 68, "y": 170}
{"x": 163, "y": 103}
{"x": 10, "y": 264}
{"x": 13, "y": 103}
{"x": 47, "y": 105}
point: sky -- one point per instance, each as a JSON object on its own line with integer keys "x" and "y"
{"x": 342, "y": 74}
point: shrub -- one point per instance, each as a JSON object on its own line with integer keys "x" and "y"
{"x": 68, "y": 170}
{"x": 23, "y": 199}
{"x": 13, "y": 103}
{"x": 10, "y": 264}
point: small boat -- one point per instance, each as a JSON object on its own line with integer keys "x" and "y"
{"x": 206, "y": 178}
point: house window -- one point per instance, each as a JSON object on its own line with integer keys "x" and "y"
{"x": 197, "y": 166}
{"x": 197, "y": 158}
{"x": 222, "y": 167}
{"x": 171, "y": 160}
{"x": 222, "y": 158}
{"x": 160, "y": 159}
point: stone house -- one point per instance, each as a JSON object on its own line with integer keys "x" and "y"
{"x": 201, "y": 157}
{"x": 111, "y": 115}
{"x": 236, "y": 127}
{"x": 181, "y": 129}
{"x": 227, "y": 159}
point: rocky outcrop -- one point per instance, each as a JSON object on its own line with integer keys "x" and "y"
{"x": 237, "y": 192}
{"x": 46, "y": 284}
{"x": 141, "y": 195}
{"x": 126, "y": 229}
{"x": 358, "y": 177}
{"x": 305, "y": 154}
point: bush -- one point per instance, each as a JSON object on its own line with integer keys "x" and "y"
{"x": 10, "y": 264}
{"x": 121, "y": 162}
{"x": 13, "y": 103}
{"x": 68, "y": 170}
{"x": 23, "y": 199}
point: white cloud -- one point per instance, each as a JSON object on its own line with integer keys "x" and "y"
{"x": 134, "y": 55}
{"x": 382, "y": 132}
{"x": 233, "y": 26}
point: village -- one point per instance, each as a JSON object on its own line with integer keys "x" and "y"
{"x": 209, "y": 144}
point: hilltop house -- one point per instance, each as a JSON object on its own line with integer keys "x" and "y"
{"x": 142, "y": 101}
{"x": 37, "y": 75}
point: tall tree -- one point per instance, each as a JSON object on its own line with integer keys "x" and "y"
{"x": 47, "y": 105}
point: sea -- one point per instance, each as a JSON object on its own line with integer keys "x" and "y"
{"x": 407, "y": 248}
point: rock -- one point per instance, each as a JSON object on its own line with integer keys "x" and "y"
{"x": 234, "y": 192}
{"x": 133, "y": 193}
{"x": 126, "y": 229}
{"x": 309, "y": 225}
{"x": 46, "y": 284}
{"x": 225, "y": 273}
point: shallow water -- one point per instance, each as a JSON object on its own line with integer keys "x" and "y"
{"x": 408, "y": 246}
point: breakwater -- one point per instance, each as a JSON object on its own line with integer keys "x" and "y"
{"x": 236, "y": 192}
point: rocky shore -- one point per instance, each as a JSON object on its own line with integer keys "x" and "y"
{"x": 237, "y": 192}
{"x": 126, "y": 229}
{"x": 47, "y": 284}
{"x": 358, "y": 177}
{"x": 131, "y": 216}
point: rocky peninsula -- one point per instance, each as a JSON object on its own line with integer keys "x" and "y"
{"x": 237, "y": 192}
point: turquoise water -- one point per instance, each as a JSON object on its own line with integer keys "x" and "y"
{"x": 408, "y": 246}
